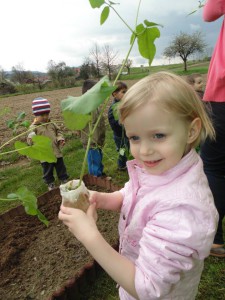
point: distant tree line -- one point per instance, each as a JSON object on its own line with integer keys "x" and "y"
{"x": 100, "y": 61}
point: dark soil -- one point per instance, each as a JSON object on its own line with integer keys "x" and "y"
{"x": 37, "y": 260}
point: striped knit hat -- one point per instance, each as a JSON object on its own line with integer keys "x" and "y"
{"x": 40, "y": 106}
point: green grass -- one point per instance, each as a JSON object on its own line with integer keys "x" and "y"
{"x": 211, "y": 285}
{"x": 31, "y": 175}
{"x": 192, "y": 67}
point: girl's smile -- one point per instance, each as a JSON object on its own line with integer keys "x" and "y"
{"x": 158, "y": 138}
{"x": 152, "y": 164}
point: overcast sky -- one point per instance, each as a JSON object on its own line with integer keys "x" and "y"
{"x": 34, "y": 32}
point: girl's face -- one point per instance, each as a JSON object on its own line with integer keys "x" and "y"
{"x": 159, "y": 139}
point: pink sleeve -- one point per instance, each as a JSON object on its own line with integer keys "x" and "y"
{"x": 173, "y": 242}
{"x": 213, "y": 10}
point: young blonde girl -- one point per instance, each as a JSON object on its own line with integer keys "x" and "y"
{"x": 167, "y": 214}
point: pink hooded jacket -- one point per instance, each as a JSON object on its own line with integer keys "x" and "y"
{"x": 167, "y": 225}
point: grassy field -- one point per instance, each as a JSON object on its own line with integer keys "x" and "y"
{"x": 193, "y": 67}
{"x": 212, "y": 285}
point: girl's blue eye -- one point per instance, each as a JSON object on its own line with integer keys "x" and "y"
{"x": 134, "y": 138}
{"x": 159, "y": 136}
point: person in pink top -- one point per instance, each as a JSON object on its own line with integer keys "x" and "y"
{"x": 213, "y": 151}
{"x": 167, "y": 215}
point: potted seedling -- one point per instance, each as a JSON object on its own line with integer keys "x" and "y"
{"x": 77, "y": 112}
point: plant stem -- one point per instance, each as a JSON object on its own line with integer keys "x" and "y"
{"x": 25, "y": 132}
{"x": 15, "y": 199}
{"x": 111, "y": 6}
{"x": 92, "y": 130}
{"x": 137, "y": 13}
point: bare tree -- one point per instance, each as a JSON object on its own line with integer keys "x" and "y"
{"x": 184, "y": 45}
{"x": 60, "y": 72}
{"x": 96, "y": 58}
{"x": 109, "y": 59}
{"x": 2, "y": 74}
{"x": 20, "y": 75}
{"x": 128, "y": 65}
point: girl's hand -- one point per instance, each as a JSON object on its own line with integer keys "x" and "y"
{"x": 95, "y": 197}
{"x": 82, "y": 225}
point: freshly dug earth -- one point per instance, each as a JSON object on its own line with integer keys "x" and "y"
{"x": 37, "y": 260}
{"x": 11, "y": 106}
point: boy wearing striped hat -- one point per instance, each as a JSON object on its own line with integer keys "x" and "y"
{"x": 41, "y": 110}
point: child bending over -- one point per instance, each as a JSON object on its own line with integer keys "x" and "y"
{"x": 41, "y": 111}
{"x": 167, "y": 214}
{"x": 95, "y": 156}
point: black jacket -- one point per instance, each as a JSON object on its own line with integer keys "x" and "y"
{"x": 117, "y": 128}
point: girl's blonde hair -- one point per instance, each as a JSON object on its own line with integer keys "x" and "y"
{"x": 173, "y": 94}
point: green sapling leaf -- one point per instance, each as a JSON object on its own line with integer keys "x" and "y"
{"x": 29, "y": 202}
{"x": 40, "y": 150}
{"x": 42, "y": 218}
{"x": 146, "y": 44}
{"x": 140, "y": 29}
{"x": 77, "y": 108}
{"x": 21, "y": 116}
{"x": 75, "y": 121}
{"x": 104, "y": 14}
{"x": 115, "y": 111}
{"x": 12, "y": 196}
{"x": 96, "y": 3}
{"x": 10, "y": 123}
{"x": 113, "y": 3}
{"x": 150, "y": 24}
{"x": 25, "y": 124}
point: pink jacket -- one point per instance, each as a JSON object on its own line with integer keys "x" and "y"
{"x": 167, "y": 225}
{"x": 215, "y": 89}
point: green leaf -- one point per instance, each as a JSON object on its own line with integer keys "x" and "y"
{"x": 96, "y": 3}
{"x": 29, "y": 202}
{"x": 40, "y": 150}
{"x": 122, "y": 151}
{"x": 10, "y": 124}
{"x": 12, "y": 196}
{"x": 30, "y": 209}
{"x": 115, "y": 111}
{"x": 21, "y": 116}
{"x": 151, "y": 24}
{"x": 42, "y": 218}
{"x": 104, "y": 15}
{"x": 146, "y": 44}
{"x": 76, "y": 110}
{"x": 75, "y": 121}
{"x": 25, "y": 124}
{"x": 140, "y": 29}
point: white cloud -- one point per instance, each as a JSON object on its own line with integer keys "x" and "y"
{"x": 195, "y": 27}
{"x": 34, "y": 32}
